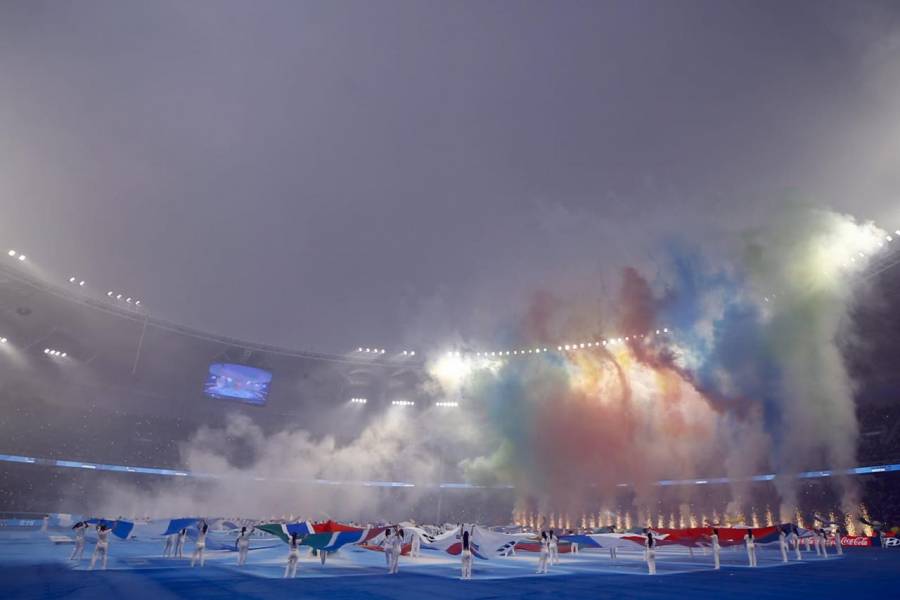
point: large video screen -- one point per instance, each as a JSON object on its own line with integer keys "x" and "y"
{"x": 238, "y": 382}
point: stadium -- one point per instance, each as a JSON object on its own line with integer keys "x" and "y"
{"x": 464, "y": 300}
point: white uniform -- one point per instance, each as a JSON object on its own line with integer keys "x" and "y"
{"x": 199, "y": 547}
{"x": 554, "y": 549}
{"x": 388, "y": 545}
{"x": 544, "y": 558}
{"x": 650, "y": 554}
{"x": 290, "y": 570}
{"x": 794, "y": 540}
{"x": 823, "y": 543}
{"x": 170, "y": 545}
{"x": 397, "y": 543}
{"x": 416, "y": 545}
{"x": 79, "y": 543}
{"x": 243, "y": 545}
{"x": 837, "y": 542}
{"x": 782, "y": 545}
{"x": 101, "y": 549}
{"x": 716, "y": 549}
{"x": 466, "y": 555}
{"x": 751, "y": 549}
{"x": 179, "y": 546}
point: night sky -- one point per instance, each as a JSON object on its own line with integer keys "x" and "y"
{"x": 324, "y": 175}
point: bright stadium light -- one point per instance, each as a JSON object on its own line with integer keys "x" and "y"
{"x": 12, "y": 253}
{"x": 71, "y": 280}
{"x": 81, "y": 283}
{"x": 118, "y": 296}
{"x": 137, "y": 302}
{"x": 109, "y": 294}
{"x": 63, "y": 354}
{"x": 2, "y": 340}
{"x": 447, "y": 404}
{"x": 889, "y": 238}
{"x": 21, "y": 257}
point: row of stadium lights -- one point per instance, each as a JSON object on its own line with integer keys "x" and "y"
{"x": 560, "y": 348}
{"x": 47, "y": 351}
{"x": 852, "y": 258}
{"x": 382, "y": 351}
{"x": 80, "y": 282}
{"x": 567, "y": 347}
{"x": 128, "y": 299}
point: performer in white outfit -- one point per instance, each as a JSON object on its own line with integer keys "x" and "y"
{"x": 837, "y": 539}
{"x": 170, "y": 545}
{"x": 179, "y": 545}
{"x": 782, "y": 545}
{"x": 80, "y": 532}
{"x": 102, "y": 547}
{"x": 823, "y": 542}
{"x": 200, "y": 546}
{"x": 794, "y": 538}
{"x": 388, "y": 546}
{"x": 751, "y": 547}
{"x": 650, "y": 553}
{"x": 290, "y": 570}
{"x": 243, "y": 546}
{"x": 544, "y": 558}
{"x": 554, "y": 548}
{"x": 466, "y": 556}
{"x": 573, "y": 546}
{"x": 716, "y": 549}
{"x": 398, "y": 550}
{"x": 415, "y": 545}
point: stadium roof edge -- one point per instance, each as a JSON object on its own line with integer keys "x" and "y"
{"x": 143, "y": 316}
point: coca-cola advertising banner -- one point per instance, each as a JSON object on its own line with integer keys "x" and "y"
{"x": 856, "y": 540}
{"x": 861, "y": 540}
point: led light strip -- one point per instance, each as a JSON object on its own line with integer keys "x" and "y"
{"x": 72, "y": 464}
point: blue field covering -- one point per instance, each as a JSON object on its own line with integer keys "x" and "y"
{"x": 35, "y": 567}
